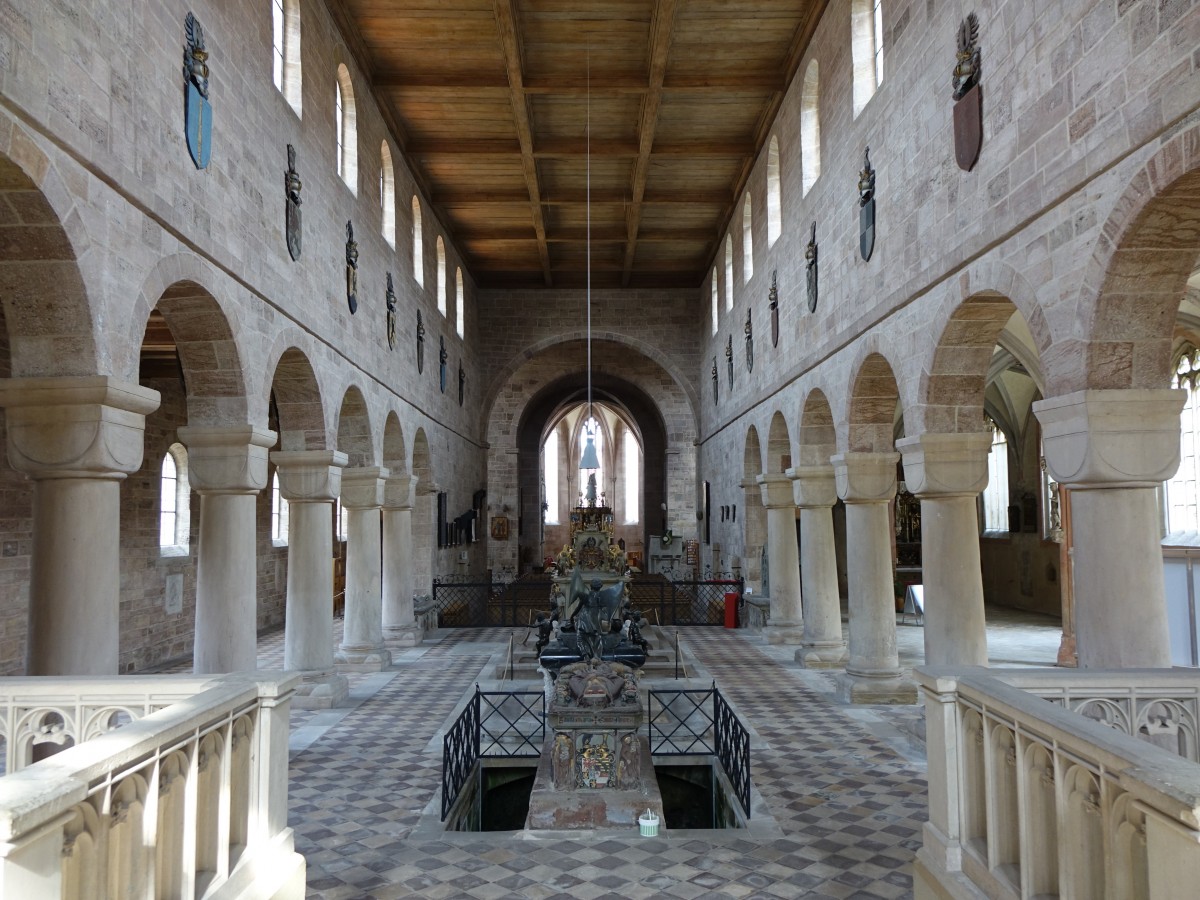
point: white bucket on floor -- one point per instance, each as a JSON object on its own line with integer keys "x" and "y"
{"x": 648, "y": 823}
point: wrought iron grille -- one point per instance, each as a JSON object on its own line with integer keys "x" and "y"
{"x": 511, "y": 723}
{"x": 681, "y": 723}
{"x": 683, "y": 602}
{"x": 461, "y": 604}
{"x": 518, "y": 602}
{"x": 733, "y": 749}
{"x": 460, "y": 753}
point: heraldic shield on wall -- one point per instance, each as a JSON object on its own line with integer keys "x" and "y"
{"x": 968, "y": 96}
{"x": 196, "y": 109}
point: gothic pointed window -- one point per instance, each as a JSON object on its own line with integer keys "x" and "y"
{"x": 441, "y": 276}
{"x": 460, "y": 315}
{"x": 346, "y": 128}
{"x": 728, "y": 272}
{"x": 632, "y": 465}
{"x": 550, "y": 477}
{"x": 716, "y": 301}
{"x": 279, "y": 514}
{"x": 995, "y": 495}
{"x": 1181, "y": 502}
{"x": 418, "y": 249}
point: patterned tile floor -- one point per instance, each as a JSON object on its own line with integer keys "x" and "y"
{"x": 840, "y": 792}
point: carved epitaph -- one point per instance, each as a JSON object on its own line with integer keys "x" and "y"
{"x": 810, "y": 254}
{"x": 291, "y": 189}
{"x": 773, "y": 298}
{"x": 749, "y": 329}
{"x": 391, "y": 313}
{"x": 866, "y": 207}
{"x": 442, "y": 362}
{"x": 197, "y": 111}
{"x": 968, "y": 95}
{"x": 420, "y": 344}
{"x": 351, "y": 268}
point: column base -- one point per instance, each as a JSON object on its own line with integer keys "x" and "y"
{"x": 362, "y": 658}
{"x": 398, "y": 636}
{"x": 1068, "y": 656}
{"x": 783, "y": 632}
{"x": 321, "y": 690}
{"x": 822, "y": 655}
{"x": 872, "y": 689}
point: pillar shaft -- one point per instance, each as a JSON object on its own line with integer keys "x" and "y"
{"x": 867, "y": 484}
{"x": 947, "y": 472}
{"x": 399, "y": 622}
{"x": 310, "y": 480}
{"x": 227, "y": 467}
{"x": 1112, "y": 449}
{"x": 76, "y": 438}
{"x": 815, "y": 494}
{"x": 362, "y": 643}
{"x": 786, "y": 623}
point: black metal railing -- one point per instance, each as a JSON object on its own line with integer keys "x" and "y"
{"x": 518, "y": 602}
{"x": 683, "y": 723}
{"x": 733, "y": 749}
{"x": 494, "y": 724}
{"x": 683, "y": 602}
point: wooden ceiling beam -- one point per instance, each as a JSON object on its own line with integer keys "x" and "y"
{"x": 459, "y": 198}
{"x": 662, "y": 27}
{"x": 607, "y": 235}
{"x": 506, "y": 22}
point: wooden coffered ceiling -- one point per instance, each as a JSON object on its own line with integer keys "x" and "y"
{"x": 490, "y": 101}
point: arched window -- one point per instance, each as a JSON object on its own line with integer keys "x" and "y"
{"x": 347, "y": 129}
{"x": 716, "y": 301}
{"x": 340, "y": 525}
{"x": 1182, "y": 509}
{"x": 441, "y": 276}
{"x": 810, "y": 128}
{"x": 866, "y": 48}
{"x": 418, "y": 250}
{"x": 174, "y": 509}
{"x": 728, "y": 271}
{"x": 747, "y": 242}
{"x": 279, "y": 513}
{"x": 633, "y": 456}
{"x": 460, "y": 315}
{"x": 285, "y": 50}
{"x": 387, "y": 193}
{"x": 995, "y": 495}
{"x": 774, "y": 194}
{"x": 550, "y": 476}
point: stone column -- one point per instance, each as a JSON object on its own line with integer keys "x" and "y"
{"x": 227, "y": 467}
{"x": 786, "y": 625}
{"x": 425, "y": 540}
{"x": 400, "y": 628}
{"x": 946, "y": 472}
{"x": 77, "y": 438}
{"x": 866, "y": 482}
{"x": 815, "y": 493}
{"x": 310, "y": 480}
{"x": 1112, "y": 449}
{"x": 362, "y": 647}
{"x": 753, "y": 540}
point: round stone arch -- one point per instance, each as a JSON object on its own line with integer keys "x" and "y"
{"x": 779, "y": 445}
{"x": 395, "y": 456}
{"x": 818, "y": 436}
{"x": 355, "y": 437}
{"x": 506, "y": 372}
{"x": 872, "y": 404}
{"x": 293, "y": 396}
{"x": 49, "y": 310}
{"x": 954, "y": 380}
{"x": 424, "y": 514}
{"x": 1137, "y": 275}
{"x": 198, "y": 320}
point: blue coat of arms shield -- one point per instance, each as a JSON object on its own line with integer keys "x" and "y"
{"x": 199, "y": 126}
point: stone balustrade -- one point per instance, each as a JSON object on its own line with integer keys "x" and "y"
{"x": 1030, "y": 798}
{"x": 189, "y": 798}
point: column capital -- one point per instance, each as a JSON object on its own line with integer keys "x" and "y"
{"x": 362, "y": 487}
{"x": 227, "y": 460}
{"x": 776, "y": 491}
{"x": 1111, "y": 438}
{"x": 813, "y": 486}
{"x": 865, "y": 477}
{"x": 946, "y": 465}
{"x": 398, "y": 490}
{"x": 309, "y": 476}
{"x": 76, "y": 427}
{"x": 750, "y": 484}
{"x": 424, "y": 487}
